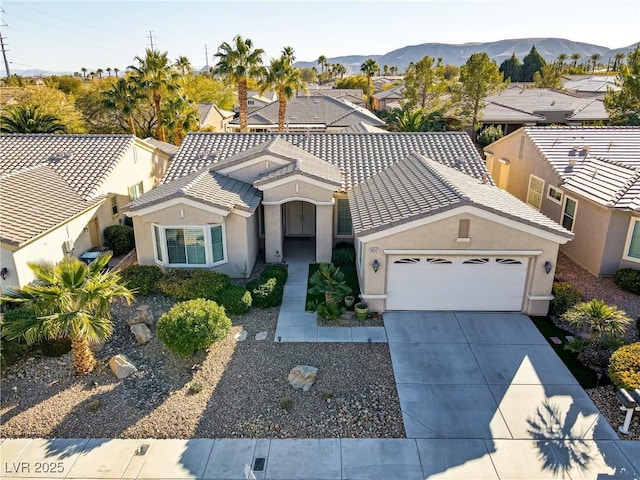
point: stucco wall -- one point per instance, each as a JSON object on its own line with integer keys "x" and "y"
{"x": 620, "y": 222}
{"x": 442, "y": 235}
{"x": 250, "y": 170}
{"x": 298, "y": 189}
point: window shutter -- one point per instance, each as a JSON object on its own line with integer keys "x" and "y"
{"x": 217, "y": 244}
{"x": 634, "y": 245}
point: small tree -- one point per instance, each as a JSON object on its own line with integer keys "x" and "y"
{"x": 511, "y": 68}
{"x": 548, "y": 77}
{"x": 624, "y": 105}
{"x": 489, "y": 135}
{"x": 604, "y": 322}
{"x": 532, "y": 63}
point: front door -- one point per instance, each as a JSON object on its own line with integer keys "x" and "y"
{"x": 94, "y": 233}
{"x": 300, "y": 219}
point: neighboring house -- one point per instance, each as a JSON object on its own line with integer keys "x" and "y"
{"x": 586, "y": 178}
{"x": 167, "y": 148}
{"x": 590, "y": 85}
{"x": 517, "y": 106}
{"x": 351, "y": 95}
{"x": 305, "y": 113}
{"x": 256, "y": 100}
{"x": 388, "y": 99}
{"x": 430, "y": 229}
{"x": 362, "y": 127}
{"x": 59, "y": 192}
{"x": 213, "y": 118}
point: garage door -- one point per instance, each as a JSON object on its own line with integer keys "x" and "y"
{"x": 456, "y": 283}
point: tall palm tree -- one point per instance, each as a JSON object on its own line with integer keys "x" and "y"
{"x": 70, "y": 300}
{"x": 617, "y": 61}
{"x": 182, "y": 116}
{"x": 285, "y": 80}
{"x": 109, "y": 70}
{"x": 562, "y": 57}
{"x": 84, "y": 72}
{"x": 155, "y": 75}
{"x": 339, "y": 69}
{"x": 183, "y": 65}
{"x": 99, "y": 72}
{"x": 322, "y": 61}
{"x": 594, "y": 61}
{"x": 29, "y": 119}
{"x": 369, "y": 68}
{"x": 575, "y": 57}
{"x": 237, "y": 62}
{"x": 123, "y": 98}
{"x": 116, "y": 70}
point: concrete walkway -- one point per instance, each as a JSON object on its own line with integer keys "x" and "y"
{"x": 297, "y": 325}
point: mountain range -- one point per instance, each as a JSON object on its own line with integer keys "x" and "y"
{"x": 458, "y": 54}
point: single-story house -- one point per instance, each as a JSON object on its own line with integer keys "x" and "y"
{"x": 214, "y": 118}
{"x": 388, "y": 99}
{"x": 586, "y": 178}
{"x": 306, "y": 113}
{"x": 351, "y": 95}
{"x": 590, "y": 85}
{"x": 59, "y": 192}
{"x": 517, "y": 106}
{"x": 423, "y": 214}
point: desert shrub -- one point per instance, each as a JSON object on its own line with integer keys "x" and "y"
{"x": 287, "y": 403}
{"x": 489, "y": 135}
{"x": 55, "y": 347}
{"x": 624, "y": 367}
{"x": 195, "y": 388}
{"x": 192, "y": 325}
{"x": 576, "y": 345}
{"x": 329, "y": 312}
{"x": 266, "y": 293}
{"x": 565, "y": 296}
{"x": 628, "y": 279}
{"x": 236, "y": 300}
{"x": 142, "y": 278}
{"x": 184, "y": 284}
{"x": 278, "y": 272}
{"x": 12, "y": 349}
{"x": 606, "y": 324}
{"x": 94, "y": 405}
{"x": 119, "y": 239}
{"x": 343, "y": 256}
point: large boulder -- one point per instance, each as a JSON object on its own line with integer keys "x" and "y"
{"x": 141, "y": 332}
{"x": 121, "y": 366}
{"x": 143, "y": 315}
{"x": 302, "y": 377}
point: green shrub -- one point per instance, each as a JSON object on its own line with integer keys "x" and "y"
{"x": 624, "y": 367}
{"x": 266, "y": 293}
{"x": 11, "y": 350}
{"x": 287, "y": 403}
{"x": 489, "y": 135}
{"x": 278, "y": 272}
{"x": 184, "y": 284}
{"x": 343, "y": 256}
{"x": 577, "y": 344}
{"x": 565, "y": 296}
{"x": 607, "y": 324}
{"x": 236, "y": 300}
{"x": 195, "y": 388}
{"x": 119, "y": 239}
{"x": 628, "y": 279}
{"x": 192, "y": 325}
{"x": 94, "y": 405}
{"x": 142, "y": 278}
{"x": 330, "y": 311}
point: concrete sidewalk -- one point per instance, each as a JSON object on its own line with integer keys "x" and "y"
{"x": 384, "y": 459}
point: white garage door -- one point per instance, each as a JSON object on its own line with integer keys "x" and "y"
{"x": 456, "y": 283}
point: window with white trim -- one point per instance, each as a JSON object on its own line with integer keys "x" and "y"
{"x": 535, "y": 191}
{"x": 554, "y": 194}
{"x": 569, "y": 213}
{"x": 114, "y": 206}
{"x": 632, "y": 249}
{"x": 135, "y": 191}
{"x": 202, "y": 246}
{"x": 344, "y": 227}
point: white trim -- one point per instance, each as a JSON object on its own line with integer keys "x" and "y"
{"x": 575, "y": 213}
{"x": 627, "y": 243}
{"x": 373, "y": 297}
{"x": 299, "y": 199}
{"x": 492, "y": 253}
{"x": 463, "y": 239}
{"x": 208, "y": 245}
{"x": 187, "y": 202}
{"x": 540, "y": 298}
{"x": 533, "y": 177}
{"x": 293, "y": 178}
{"x": 250, "y": 162}
{"x": 557, "y": 189}
{"x": 467, "y": 209}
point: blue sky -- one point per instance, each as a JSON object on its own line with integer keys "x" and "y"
{"x": 67, "y": 35}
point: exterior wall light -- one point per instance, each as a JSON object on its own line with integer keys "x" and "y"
{"x": 3, "y": 273}
{"x": 375, "y": 265}
{"x": 547, "y": 267}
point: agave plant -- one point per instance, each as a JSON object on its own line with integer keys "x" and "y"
{"x": 604, "y": 322}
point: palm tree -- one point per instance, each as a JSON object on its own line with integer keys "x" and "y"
{"x": 575, "y": 57}
{"x": 385, "y": 70}
{"x": 123, "y": 98}
{"x": 238, "y": 62}
{"x": 154, "y": 74}
{"x": 84, "y": 72}
{"x": 183, "y": 64}
{"x": 116, "y": 70}
{"x": 369, "y": 68}
{"x": 285, "y": 80}
{"x": 109, "y": 70}
{"x": 99, "y": 72}
{"x": 28, "y": 119}
{"x": 182, "y": 116}
{"x": 561, "y": 59}
{"x": 339, "y": 69}
{"x": 605, "y": 322}
{"x": 70, "y": 300}
{"x": 617, "y": 61}
{"x": 322, "y": 61}
{"x": 594, "y": 61}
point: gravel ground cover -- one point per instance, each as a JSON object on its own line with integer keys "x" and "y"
{"x": 604, "y": 289}
{"x": 235, "y": 389}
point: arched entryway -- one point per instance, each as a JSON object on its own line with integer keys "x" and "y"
{"x": 299, "y": 218}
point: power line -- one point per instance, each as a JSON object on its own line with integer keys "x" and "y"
{"x": 151, "y": 39}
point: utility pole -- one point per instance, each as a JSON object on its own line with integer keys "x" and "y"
{"x": 206, "y": 56}
{"x": 151, "y": 38}
{"x": 4, "y": 55}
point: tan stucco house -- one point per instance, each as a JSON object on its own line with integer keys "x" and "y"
{"x": 586, "y": 178}
{"x": 59, "y": 192}
{"x": 424, "y": 216}
{"x": 213, "y": 118}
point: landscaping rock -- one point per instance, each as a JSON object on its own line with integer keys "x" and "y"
{"x": 241, "y": 336}
{"x": 121, "y": 366}
{"x": 96, "y": 347}
{"x": 141, "y": 332}
{"x": 302, "y": 377}
{"x": 261, "y": 335}
{"x": 143, "y": 315}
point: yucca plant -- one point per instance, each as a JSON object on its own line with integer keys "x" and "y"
{"x": 70, "y": 300}
{"x": 604, "y": 322}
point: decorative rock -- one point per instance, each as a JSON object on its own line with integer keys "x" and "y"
{"x": 261, "y": 335}
{"x": 96, "y": 347}
{"x": 348, "y": 315}
{"x": 556, "y": 340}
{"x": 302, "y": 377}
{"x": 121, "y": 366}
{"x": 241, "y": 336}
{"x": 143, "y": 315}
{"x": 141, "y": 332}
